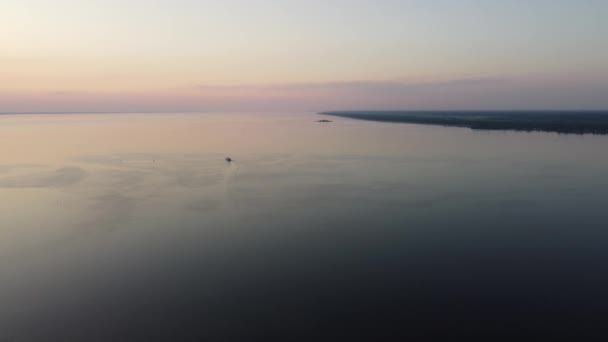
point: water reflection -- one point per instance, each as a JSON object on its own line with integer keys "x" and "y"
{"x": 55, "y": 178}
{"x": 354, "y": 230}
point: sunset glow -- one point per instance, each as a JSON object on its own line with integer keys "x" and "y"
{"x": 134, "y": 55}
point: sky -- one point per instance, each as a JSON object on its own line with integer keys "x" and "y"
{"x": 241, "y": 55}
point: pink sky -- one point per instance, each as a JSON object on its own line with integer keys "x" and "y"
{"x": 129, "y": 55}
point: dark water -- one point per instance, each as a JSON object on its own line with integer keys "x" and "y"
{"x": 134, "y": 228}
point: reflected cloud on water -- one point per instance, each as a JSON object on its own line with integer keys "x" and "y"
{"x": 61, "y": 177}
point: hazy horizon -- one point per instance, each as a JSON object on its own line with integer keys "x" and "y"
{"x": 167, "y": 56}
{"x": 201, "y": 170}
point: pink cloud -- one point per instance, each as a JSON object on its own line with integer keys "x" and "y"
{"x": 466, "y": 93}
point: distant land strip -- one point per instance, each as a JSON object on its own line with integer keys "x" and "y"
{"x": 571, "y": 122}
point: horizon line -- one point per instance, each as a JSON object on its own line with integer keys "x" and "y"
{"x": 311, "y": 111}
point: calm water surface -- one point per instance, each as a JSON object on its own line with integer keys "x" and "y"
{"x": 133, "y": 228}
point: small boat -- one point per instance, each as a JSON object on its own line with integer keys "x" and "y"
{"x": 228, "y": 159}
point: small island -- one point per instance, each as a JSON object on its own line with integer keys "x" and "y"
{"x": 575, "y": 122}
{"x": 324, "y": 120}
